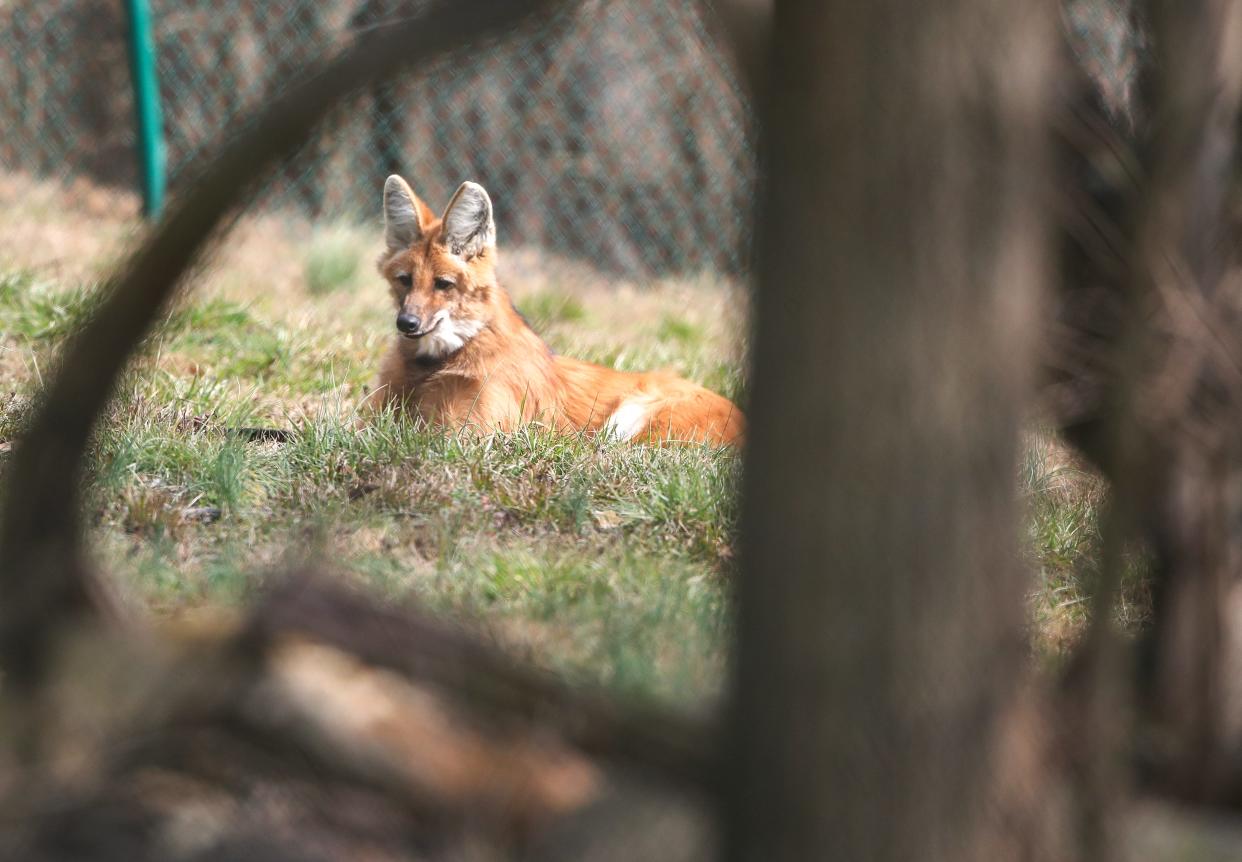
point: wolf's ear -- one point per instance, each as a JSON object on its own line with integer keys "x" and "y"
{"x": 468, "y": 226}
{"x": 405, "y": 216}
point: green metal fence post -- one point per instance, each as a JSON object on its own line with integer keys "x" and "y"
{"x": 151, "y": 155}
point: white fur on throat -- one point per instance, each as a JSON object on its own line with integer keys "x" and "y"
{"x": 628, "y": 420}
{"x": 447, "y": 335}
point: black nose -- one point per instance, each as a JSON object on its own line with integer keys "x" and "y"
{"x": 407, "y": 322}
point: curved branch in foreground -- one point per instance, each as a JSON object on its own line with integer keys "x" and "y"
{"x": 43, "y": 577}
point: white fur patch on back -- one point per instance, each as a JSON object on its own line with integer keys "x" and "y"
{"x": 628, "y": 420}
{"x": 447, "y": 335}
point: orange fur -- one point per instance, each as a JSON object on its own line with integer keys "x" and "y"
{"x": 502, "y": 375}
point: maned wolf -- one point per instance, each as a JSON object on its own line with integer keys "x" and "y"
{"x": 463, "y": 355}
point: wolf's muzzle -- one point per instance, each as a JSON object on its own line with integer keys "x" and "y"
{"x": 408, "y": 324}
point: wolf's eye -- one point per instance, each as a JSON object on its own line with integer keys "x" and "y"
{"x": 443, "y": 283}
{"x": 405, "y": 280}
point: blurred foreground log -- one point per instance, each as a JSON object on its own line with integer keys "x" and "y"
{"x": 325, "y": 726}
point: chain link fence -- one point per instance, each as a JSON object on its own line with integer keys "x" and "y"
{"x": 616, "y": 133}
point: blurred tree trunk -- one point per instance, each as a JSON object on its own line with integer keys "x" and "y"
{"x": 881, "y": 601}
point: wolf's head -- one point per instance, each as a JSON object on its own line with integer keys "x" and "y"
{"x": 441, "y": 271}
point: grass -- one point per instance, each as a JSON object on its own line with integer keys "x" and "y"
{"x": 604, "y": 561}
{"x": 333, "y": 260}
{"x": 548, "y": 308}
{"x": 613, "y": 560}
{"x": 38, "y": 310}
{"x": 1064, "y": 506}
